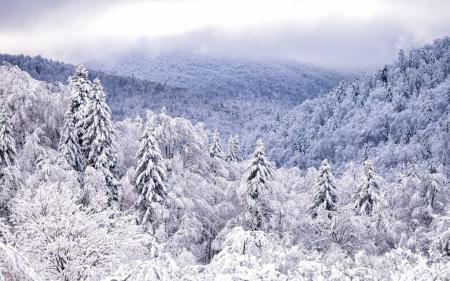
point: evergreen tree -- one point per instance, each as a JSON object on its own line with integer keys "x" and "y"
{"x": 80, "y": 88}
{"x": 258, "y": 189}
{"x": 69, "y": 148}
{"x": 214, "y": 148}
{"x": 7, "y": 143}
{"x": 325, "y": 194}
{"x": 233, "y": 152}
{"x": 98, "y": 140}
{"x": 367, "y": 193}
{"x": 71, "y": 139}
{"x": 150, "y": 175}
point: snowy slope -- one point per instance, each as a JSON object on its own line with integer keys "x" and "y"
{"x": 230, "y": 95}
{"x": 230, "y": 77}
{"x": 397, "y": 116}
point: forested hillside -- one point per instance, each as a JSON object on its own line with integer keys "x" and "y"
{"x": 127, "y": 95}
{"x": 398, "y": 116}
{"x": 282, "y": 82}
{"x": 227, "y": 95}
{"x": 158, "y": 197}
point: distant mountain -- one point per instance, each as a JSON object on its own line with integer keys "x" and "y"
{"x": 277, "y": 81}
{"x": 230, "y": 95}
{"x": 120, "y": 89}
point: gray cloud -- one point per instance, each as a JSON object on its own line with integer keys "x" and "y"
{"x": 334, "y": 42}
{"x": 15, "y": 14}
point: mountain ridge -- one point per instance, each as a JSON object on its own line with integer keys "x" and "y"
{"x": 224, "y": 108}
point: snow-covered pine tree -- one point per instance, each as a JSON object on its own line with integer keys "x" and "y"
{"x": 71, "y": 138}
{"x": 233, "y": 151}
{"x": 69, "y": 147}
{"x": 98, "y": 139}
{"x": 258, "y": 180}
{"x": 367, "y": 193}
{"x": 7, "y": 143}
{"x": 325, "y": 191}
{"x": 80, "y": 87}
{"x": 215, "y": 150}
{"x": 150, "y": 175}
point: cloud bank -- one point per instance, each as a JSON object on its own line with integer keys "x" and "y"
{"x": 343, "y": 34}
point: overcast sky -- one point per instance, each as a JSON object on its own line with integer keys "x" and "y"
{"x": 334, "y": 33}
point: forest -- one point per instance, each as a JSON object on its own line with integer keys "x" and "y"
{"x": 350, "y": 185}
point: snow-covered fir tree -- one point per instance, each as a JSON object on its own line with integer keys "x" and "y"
{"x": 150, "y": 179}
{"x": 69, "y": 147}
{"x": 325, "y": 190}
{"x": 98, "y": 139}
{"x": 80, "y": 87}
{"x": 71, "y": 139}
{"x": 233, "y": 150}
{"x": 215, "y": 151}
{"x": 368, "y": 192}
{"x": 260, "y": 174}
{"x": 7, "y": 143}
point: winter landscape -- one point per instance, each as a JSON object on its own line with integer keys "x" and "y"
{"x": 224, "y": 140}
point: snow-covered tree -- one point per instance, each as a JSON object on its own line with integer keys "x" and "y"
{"x": 150, "y": 181}
{"x": 71, "y": 138}
{"x": 260, "y": 174}
{"x": 98, "y": 139}
{"x": 11, "y": 181}
{"x": 128, "y": 134}
{"x": 69, "y": 146}
{"x": 13, "y": 266}
{"x": 80, "y": 87}
{"x": 167, "y": 131}
{"x": 436, "y": 188}
{"x": 325, "y": 196}
{"x": 215, "y": 150}
{"x": 9, "y": 174}
{"x": 7, "y": 143}
{"x": 418, "y": 201}
{"x": 64, "y": 240}
{"x": 368, "y": 192}
{"x": 33, "y": 153}
{"x": 233, "y": 151}
{"x": 138, "y": 121}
